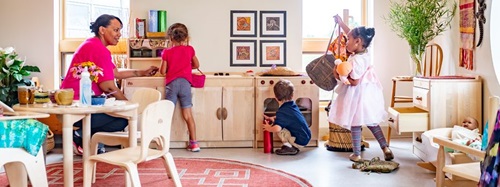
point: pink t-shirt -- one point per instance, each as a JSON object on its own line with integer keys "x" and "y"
{"x": 178, "y": 62}
{"x": 91, "y": 50}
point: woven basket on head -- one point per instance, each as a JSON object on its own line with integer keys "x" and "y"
{"x": 340, "y": 140}
{"x": 51, "y": 143}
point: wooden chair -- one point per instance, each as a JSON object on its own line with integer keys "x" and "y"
{"x": 156, "y": 121}
{"x": 470, "y": 171}
{"x": 432, "y": 62}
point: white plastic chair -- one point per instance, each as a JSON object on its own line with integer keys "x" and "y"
{"x": 19, "y": 164}
{"x": 156, "y": 121}
{"x": 143, "y": 97}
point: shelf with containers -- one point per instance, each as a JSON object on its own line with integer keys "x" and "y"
{"x": 144, "y": 53}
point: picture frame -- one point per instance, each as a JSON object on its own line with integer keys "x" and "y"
{"x": 243, "y": 23}
{"x": 243, "y": 53}
{"x": 273, "y": 23}
{"x": 272, "y": 52}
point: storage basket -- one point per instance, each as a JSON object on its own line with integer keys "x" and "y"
{"x": 340, "y": 140}
{"x": 51, "y": 143}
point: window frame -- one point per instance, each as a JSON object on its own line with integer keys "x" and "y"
{"x": 317, "y": 45}
{"x": 69, "y": 45}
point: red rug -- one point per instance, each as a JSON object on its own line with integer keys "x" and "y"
{"x": 192, "y": 171}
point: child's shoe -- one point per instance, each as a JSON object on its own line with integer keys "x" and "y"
{"x": 77, "y": 144}
{"x": 388, "y": 156}
{"x": 193, "y": 146}
{"x": 285, "y": 150}
{"x": 355, "y": 158}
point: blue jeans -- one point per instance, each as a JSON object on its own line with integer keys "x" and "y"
{"x": 103, "y": 123}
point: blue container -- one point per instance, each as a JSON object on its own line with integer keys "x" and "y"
{"x": 98, "y": 99}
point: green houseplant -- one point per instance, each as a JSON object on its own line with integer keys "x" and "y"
{"x": 418, "y": 22}
{"x": 13, "y": 71}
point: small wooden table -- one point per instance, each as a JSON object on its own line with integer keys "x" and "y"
{"x": 72, "y": 114}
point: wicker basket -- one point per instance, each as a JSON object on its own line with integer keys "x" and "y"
{"x": 320, "y": 70}
{"x": 340, "y": 140}
{"x": 51, "y": 143}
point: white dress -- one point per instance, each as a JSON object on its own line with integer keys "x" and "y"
{"x": 360, "y": 104}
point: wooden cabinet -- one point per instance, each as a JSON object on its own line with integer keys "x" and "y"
{"x": 438, "y": 103}
{"x": 224, "y": 112}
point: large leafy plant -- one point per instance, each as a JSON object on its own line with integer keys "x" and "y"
{"x": 418, "y": 22}
{"x": 13, "y": 71}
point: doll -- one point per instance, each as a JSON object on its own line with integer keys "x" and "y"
{"x": 343, "y": 68}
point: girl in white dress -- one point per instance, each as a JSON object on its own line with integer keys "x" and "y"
{"x": 361, "y": 101}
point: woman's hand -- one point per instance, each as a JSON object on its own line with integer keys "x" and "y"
{"x": 151, "y": 71}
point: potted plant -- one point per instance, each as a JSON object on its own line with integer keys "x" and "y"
{"x": 418, "y": 22}
{"x": 12, "y": 73}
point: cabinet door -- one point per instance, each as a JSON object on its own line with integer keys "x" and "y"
{"x": 178, "y": 131}
{"x": 263, "y": 94}
{"x": 238, "y": 103}
{"x": 207, "y": 102}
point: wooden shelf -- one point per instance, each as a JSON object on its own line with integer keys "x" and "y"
{"x": 145, "y": 58}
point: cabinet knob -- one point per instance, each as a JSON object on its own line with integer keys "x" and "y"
{"x": 303, "y": 82}
{"x": 391, "y": 120}
{"x": 130, "y": 83}
{"x": 224, "y": 113}
{"x": 262, "y": 82}
{"x": 311, "y": 82}
{"x": 418, "y": 98}
{"x": 271, "y": 82}
{"x": 218, "y": 113}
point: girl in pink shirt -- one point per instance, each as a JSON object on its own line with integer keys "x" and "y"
{"x": 107, "y": 30}
{"x": 177, "y": 62}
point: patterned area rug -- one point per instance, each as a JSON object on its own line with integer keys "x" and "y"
{"x": 192, "y": 171}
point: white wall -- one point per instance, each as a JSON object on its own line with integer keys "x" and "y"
{"x": 29, "y": 27}
{"x": 35, "y": 37}
{"x": 208, "y": 22}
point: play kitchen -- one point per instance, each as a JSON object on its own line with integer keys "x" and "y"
{"x": 229, "y": 109}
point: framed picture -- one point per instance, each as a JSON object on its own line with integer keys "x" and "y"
{"x": 273, "y": 23}
{"x": 243, "y": 53}
{"x": 243, "y": 23}
{"x": 272, "y": 52}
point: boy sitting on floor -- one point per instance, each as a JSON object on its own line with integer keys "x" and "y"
{"x": 289, "y": 122}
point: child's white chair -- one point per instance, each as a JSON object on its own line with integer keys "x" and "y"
{"x": 156, "y": 121}
{"x": 19, "y": 164}
{"x": 142, "y": 96}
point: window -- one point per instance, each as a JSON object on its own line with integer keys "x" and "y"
{"x": 75, "y": 23}
{"x": 79, "y": 13}
{"x": 318, "y": 25}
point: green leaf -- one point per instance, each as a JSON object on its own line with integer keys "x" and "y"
{"x": 31, "y": 68}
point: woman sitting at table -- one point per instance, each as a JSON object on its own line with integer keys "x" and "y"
{"x": 107, "y": 30}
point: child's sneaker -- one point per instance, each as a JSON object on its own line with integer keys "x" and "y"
{"x": 193, "y": 146}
